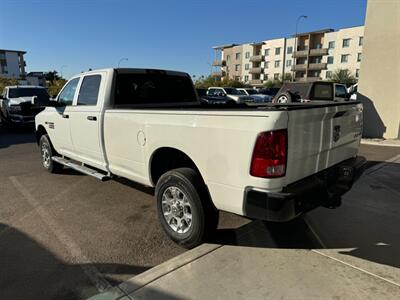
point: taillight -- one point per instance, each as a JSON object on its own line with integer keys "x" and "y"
{"x": 269, "y": 154}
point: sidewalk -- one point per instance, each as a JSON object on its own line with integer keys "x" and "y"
{"x": 350, "y": 252}
{"x": 381, "y": 142}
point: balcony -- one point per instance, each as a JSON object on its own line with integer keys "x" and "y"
{"x": 218, "y": 63}
{"x": 256, "y": 70}
{"x": 301, "y": 53}
{"x": 319, "y": 52}
{"x": 218, "y": 74}
{"x": 299, "y": 67}
{"x": 257, "y": 58}
{"x": 317, "y": 66}
{"x": 256, "y": 82}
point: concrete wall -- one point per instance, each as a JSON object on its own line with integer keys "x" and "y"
{"x": 246, "y": 61}
{"x": 232, "y": 61}
{"x": 380, "y": 70}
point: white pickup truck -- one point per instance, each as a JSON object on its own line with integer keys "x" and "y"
{"x": 272, "y": 162}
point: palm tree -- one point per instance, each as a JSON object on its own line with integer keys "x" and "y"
{"x": 343, "y": 76}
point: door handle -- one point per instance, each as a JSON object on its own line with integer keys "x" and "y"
{"x": 92, "y": 118}
{"x": 65, "y": 116}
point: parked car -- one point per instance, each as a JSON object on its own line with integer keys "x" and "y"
{"x": 148, "y": 126}
{"x": 232, "y": 94}
{"x": 352, "y": 91}
{"x": 258, "y": 97}
{"x": 215, "y": 99}
{"x": 20, "y": 104}
{"x": 311, "y": 91}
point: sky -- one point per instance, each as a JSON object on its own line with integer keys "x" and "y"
{"x": 75, "y": 35}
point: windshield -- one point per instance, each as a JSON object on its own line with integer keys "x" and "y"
{"x": 232, "y": 91}
{"x": 42, "y": 95}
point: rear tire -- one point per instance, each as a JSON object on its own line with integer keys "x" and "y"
{"x": 284, "y": 98}
{"x": 47, "y": 152}
{"x": 184, "y": 208}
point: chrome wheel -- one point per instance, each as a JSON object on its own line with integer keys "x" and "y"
{"x": 46, "y": 157}
{"x": 176, "y": 209}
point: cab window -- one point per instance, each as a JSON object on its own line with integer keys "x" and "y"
{"x": 340, "y": 91}
{"x": 67, "y": 95}
{"x": 89, "y": 90}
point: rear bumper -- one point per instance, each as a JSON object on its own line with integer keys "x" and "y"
{"x": 297, "y": 198}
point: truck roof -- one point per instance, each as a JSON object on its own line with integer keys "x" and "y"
{"x": 25, "y": 87}
{"x": 134, "y": 70}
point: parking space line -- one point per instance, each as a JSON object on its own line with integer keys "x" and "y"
{"x": 91, "y": 272}
{"x": 357, "y": 268}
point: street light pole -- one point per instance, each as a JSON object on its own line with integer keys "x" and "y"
{"x": 122, "y": 59}
{"x": 295, "y": 44}
{"x": 61, "y": 72}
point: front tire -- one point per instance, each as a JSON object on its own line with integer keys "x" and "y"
{"x": 184, "y": 209}
{"x": 47, "y": 152}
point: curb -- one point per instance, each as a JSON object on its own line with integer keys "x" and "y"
{"x": 147, "y": 277}
{"x": 382, "y": 143}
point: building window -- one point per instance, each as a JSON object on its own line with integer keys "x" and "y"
{"x": 228, "y": 57}
{"x": 344, "y": 58}
{"x": 357, "y": 73}
{"x": 266, "y": 65}
{"x": 266, "y": 52}
{"x": 246, "y": 66}
{"x": 289, "y": 50}
{"x": 331, "y": 45}
{"x": 328, "y": 74}
{"x": 278, "y": 51}
{"x": 359, "y": 56}
{"x": 246, "y": 78}
{"x": 277, "y": 63}
{"x": 237, "y": 67}
{"x": 237, "y": 56}
{"x": 360, "y": 41}
{"x": 346, "y": 43}
{"x": 330, "y": 60}
{"x": 276, "y": 76}
{"x": 237, "y": 78}
{"x": 288, "y": 63}
{"x": 265, "y": 76}
{"x": 247, "y": 54}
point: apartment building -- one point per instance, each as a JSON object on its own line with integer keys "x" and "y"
{"x": 12, "y": 63}
{"x": 307, "y": 56}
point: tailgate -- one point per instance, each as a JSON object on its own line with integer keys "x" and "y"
{"x": 320, "y": 137}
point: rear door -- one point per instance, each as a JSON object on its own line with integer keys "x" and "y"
{"x": 85, "y": 120}
{"x": 322, "y": 137}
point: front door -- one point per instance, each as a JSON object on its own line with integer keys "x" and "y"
{"x": 85, "y": 120}
{"x": 58, "y": 124}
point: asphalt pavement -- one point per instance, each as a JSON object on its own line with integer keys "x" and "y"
{"x": 70, "y": 236}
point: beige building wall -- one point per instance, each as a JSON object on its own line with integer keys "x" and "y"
{"x": 246, "y": 64}
{"x": 232, "y": 61}
{"x": 270, "y": 69}
{"x": 380, "y": 76}
{"x": 353, "y": 34}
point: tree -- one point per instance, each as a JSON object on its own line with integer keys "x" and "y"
{"x": 55, "y": 86}
{"x": 6, "y": 82}
{"x": 343, "y": 76}
{"x": 287, "y": 77}
{"x": 273, "y": 84}
{"x": 52, "y": 76}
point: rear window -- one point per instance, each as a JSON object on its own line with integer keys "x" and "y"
{"x": 156, "y": 87}
{"x": 42, "y": 95}
{"x": 322, "y": 91}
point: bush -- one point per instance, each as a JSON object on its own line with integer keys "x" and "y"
{"x": 55, "y": 86}
{"x": 6, "y": 82}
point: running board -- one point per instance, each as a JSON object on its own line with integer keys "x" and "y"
{"x": 81, "y": 168}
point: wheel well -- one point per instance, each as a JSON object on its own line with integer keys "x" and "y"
{"x": 166, "y": 159}
{"x": 39, "y": 132}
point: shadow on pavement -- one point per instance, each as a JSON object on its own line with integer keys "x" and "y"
{"x": 366, "y": 226}
{"x": 30, "y": 271}
{"x": 20, "y": 135}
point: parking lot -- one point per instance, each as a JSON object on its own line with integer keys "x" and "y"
{"x": 69, "y": 236}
